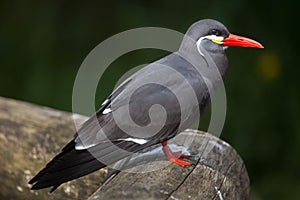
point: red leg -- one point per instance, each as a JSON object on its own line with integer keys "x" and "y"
{"x": 175, "y": 156}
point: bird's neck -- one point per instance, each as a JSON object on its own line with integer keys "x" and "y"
{"x": 211, "y": 65}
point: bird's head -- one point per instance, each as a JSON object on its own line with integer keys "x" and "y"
{"x": 213, "y": 36}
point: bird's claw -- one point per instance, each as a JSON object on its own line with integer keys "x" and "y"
{"x": 175, "y": 157}
{"x": 180, "y": 162}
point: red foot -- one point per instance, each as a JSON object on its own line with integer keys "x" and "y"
{"x": 174, "y": 157}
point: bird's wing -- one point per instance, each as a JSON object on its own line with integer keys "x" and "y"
{"x": 104, "y": 126}
{"x": 155, "y": 84}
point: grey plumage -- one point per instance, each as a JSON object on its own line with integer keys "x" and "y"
{"x": 177, "y": 82}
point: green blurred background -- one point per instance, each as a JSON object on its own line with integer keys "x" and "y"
{"x": 43, "y": 44}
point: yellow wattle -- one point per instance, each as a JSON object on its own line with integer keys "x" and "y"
{"x": 217, "y": 41}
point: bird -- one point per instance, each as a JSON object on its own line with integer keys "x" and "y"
{"x": 169, "y": 94}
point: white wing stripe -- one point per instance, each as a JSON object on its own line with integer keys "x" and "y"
{"x": 106, "y": 111}
{"x": 135, "y": 140}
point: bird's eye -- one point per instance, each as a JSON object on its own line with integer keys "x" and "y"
{"x": 215, "y": 32}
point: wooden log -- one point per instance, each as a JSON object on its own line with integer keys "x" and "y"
{"x": 31, "y": 135}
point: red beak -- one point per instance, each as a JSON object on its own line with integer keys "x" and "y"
{"x": 235, "y": 40}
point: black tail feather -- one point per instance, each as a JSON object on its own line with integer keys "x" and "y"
{"x": 71, "y": 163}
{"x": 66, "y": 166}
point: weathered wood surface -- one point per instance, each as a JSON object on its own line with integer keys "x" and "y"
{"x": 31, "y": 135}
{"x": 219, "y": 173}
